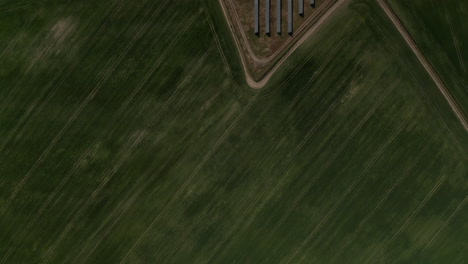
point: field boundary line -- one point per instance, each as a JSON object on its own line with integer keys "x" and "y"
{"x": 413, "y": 213}
{"x": 363, "y": 222}
{"x": 354, "y": 184}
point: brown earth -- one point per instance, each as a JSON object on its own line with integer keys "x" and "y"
{"x": 262, "y": 55}
{"x": 262, "y": 52}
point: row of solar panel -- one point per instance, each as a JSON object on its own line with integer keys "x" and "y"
{"x": 278, "y": 15}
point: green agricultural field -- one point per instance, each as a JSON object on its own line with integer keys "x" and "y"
{"x": 128, "y": 135}
{"x": 440, "y": 29}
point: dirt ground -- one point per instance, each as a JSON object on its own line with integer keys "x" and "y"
{"x": 263, "y": 52}
{"x": 263, "y": 45}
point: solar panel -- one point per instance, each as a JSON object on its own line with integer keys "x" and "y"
{"x": 290, "y": 16}
{"x": 267, "y": 16}
{"x": 257, "y": 22}
{"x": 301, "y": 7}
{"x": 278, "y": 16}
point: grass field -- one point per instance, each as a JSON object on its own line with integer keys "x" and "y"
{"x": 128, "y": 135}
{"x": 439, "y": 28}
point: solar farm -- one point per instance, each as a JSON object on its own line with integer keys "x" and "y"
{"x": 129, "y": 133}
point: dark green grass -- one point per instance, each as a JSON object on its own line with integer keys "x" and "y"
{"x": 439, "y": 29}
{"x": 174, "y": 160}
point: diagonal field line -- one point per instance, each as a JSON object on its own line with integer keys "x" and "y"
{"x": 67, "y": 177}
{"x": 349, "y": 137}
{"x": 130, "y": 202}
{"x": 55, "y": 88}
{"x": 203, "y": 213}
{"x": 46, "y": 257}
{"x": 327, "y": 165}
{"x": 218, "y": 45}
{"x": 69, "y": 174}
{"x": 454, "y": 38}
{"x": 353, "y": 185}
{"x": 17, "y": 188}
{"x": 425, "y": 63}
{"x": 455, "y": 212}
{"x": 416, "y": 82}
{"x": 12, "y": 43}
{"x": 128, "y": 151}
{"x": 31, "y": 66}
{"x": 245, "y": 43}
{"x": 437, "y": 45}
{"x": 283, "y": 164}
{"x": 389, "y": 191}
{"x": 275, "y": 125}
{"x": 218, "y": 194}
{"x": 264, "y": 80}
{"x": 188, "y": 180}
{"x": 316, "y": 74}
{"x": 12, "y": 10}
{"x": 308, "y": 58}
{"x": 412, "y": 215}
{"x": 107, "y": 130}
{"x": 215, "y": 199}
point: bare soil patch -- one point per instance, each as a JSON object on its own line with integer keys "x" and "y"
{"x": 262, "y": 52}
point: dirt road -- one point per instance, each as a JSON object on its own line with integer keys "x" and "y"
{"x": 283, "y": 46}
{"x": 260, "y": 84}
{"x": 435, "y": 77}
